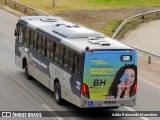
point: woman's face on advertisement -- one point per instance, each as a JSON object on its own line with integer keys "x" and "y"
{"x": 131, "y": 77}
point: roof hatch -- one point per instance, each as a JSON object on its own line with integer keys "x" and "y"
{"x": 50, "y": 19}
{"x": 75, "y": 31}
{"x": 101, "y": 41}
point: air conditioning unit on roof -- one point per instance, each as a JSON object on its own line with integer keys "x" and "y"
{"x": 75, "y": 31}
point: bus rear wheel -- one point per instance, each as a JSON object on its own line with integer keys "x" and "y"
{"x": 28, "y": 76}
{"x": 57, "y": 93}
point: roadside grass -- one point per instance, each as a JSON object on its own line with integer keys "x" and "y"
{"x": 61, "y": 5}
{"x": 125, "y": 3}
{"x": 76, "y": 5}
{"x": 136, "y": 22}
{"x": 80, "y": 5}
{"x": 73, "y": 5}
{"x": 1, "y": 1}
{"x": 110, "y": 27}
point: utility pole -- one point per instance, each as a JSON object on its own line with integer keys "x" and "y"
{"x": 54, "y": 3}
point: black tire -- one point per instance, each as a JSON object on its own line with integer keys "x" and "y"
{"x": 28, "y": 76}
{"x": 116, "y": 107}
{"x": 57, "y": 93}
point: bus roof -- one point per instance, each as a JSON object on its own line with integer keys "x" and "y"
{"x": 74, "y": 36}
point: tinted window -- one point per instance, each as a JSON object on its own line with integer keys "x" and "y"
{"x": 39, "y": 45}
{"x": 66, "y": 58}
{"x": 71, "y": 56}
{"x": 19, "y": 37}
{"x": 43, "y": 45}
{"x": 35, "y": 41}
{"x": 57, "y": 51}
{"x": 60, "y": 59}
{"x": 80, "y": 65}
{"x": 77, "y": 64}
{"x": 48, "y": 49}
{"x": 53, "y": 46}
{"x": 27, "y": 34}
{"x": 75, "y": 69}
{"x": 31, "y": 39}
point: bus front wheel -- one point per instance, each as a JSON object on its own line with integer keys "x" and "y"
{"x": 57, "y": 93}
{"x": 28, "y": 76}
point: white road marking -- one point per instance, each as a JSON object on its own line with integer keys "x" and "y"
{"x": 149, "y": 82}
{"x": 44, "y": 105}
{"x": 48, "y": 107}
{"x": 130, "y": 109}
{"x": 51, "y": 109}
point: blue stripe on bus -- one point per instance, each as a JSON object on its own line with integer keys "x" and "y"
{"x": 23, "y": 22}
{"x": 17, "y": 52}
{"x": 41, "y": 61}
{"x": 76, "y": 83}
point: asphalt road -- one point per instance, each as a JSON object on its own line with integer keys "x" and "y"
{"x": 147, "y": 36}
{"x": 19, "y": 94}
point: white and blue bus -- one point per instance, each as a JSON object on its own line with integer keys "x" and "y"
{"x": 78, "y": 64}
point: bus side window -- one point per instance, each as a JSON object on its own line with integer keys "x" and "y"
{"x": 53, "y": 46}
{"x": 39, "y": 45}
{"x": 57, "y": 51}
{"x": 48, "y": 48}
{"x": 60, "y": 59}
{"x": 31, "y": 39}
{"x": 19, "y": 37}
{"x": 71, "y": 56}
{"x": 43, "y": 45}
{"x": 75, "y": 68}
{"x": 66, "y": 58}
{"x": 26, "y": 38}
{"x": 35, "y": 41}
{"x": 77, "y": 65}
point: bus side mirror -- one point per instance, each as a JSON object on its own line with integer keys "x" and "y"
{"x": 15, "y": 32}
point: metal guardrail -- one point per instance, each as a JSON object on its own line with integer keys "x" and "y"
{"x": 146, "y": 53}
{"x": 25, "y": 7}
{"x": 149, "y": 54}
{"x": 130, "y": 19}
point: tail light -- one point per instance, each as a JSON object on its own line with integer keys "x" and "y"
{"x": 85, "y": 90}
{"x": 91, "y": 51}
{"x": 132, "y": 50}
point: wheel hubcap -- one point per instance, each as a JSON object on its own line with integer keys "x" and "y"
{"x": 57, "y": 94}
